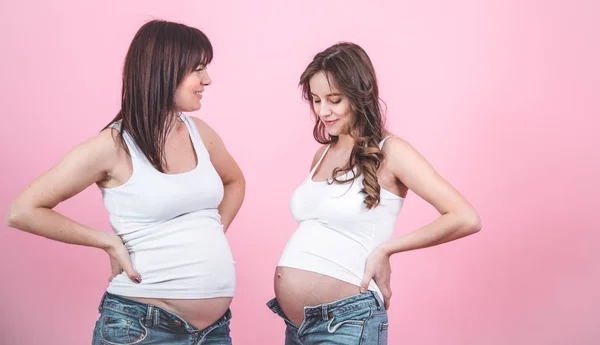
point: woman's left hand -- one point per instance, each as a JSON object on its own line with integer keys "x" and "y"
{"x": 378, "y": 268}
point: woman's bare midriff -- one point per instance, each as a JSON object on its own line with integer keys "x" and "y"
{"x": 199, "y": 313}
{"x": 296, "y": 289}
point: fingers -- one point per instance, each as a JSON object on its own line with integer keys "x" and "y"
{"x": 121, "y": 262}
{"x": 387, "y": 296}
{"x": 115, "y": 270}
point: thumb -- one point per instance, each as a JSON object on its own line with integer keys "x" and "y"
{"x": 131, "y": 273}
{"x": 364, "y": 285}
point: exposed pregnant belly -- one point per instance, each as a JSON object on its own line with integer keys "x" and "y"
{"x": 296, "y": 289}
{"x": 188, "y": 271}
{"x": 199, "y": 313}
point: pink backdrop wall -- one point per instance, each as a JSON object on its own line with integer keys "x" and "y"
{"x": 500, "y": 96}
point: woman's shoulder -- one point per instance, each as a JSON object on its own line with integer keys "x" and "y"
{"x": 391, "y": 143}
{"x": 107, "y": 144}
{"x": 318, "y": 156}
{"x": 208, "y": 135}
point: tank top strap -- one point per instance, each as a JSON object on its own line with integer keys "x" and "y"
{"x": 194, "y": 135}
{"x": 132, "y": 147}
{"x": 312, "y": 172}
{"x": 383, "y": 141}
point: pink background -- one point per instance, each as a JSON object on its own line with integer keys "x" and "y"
{"x": 500, "y": 96}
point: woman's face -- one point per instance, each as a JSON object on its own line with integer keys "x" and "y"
{"x": 189, "y": 92}
{"x": 330, "y": 106}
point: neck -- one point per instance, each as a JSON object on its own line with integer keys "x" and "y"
{"x": 345, "y": 140}
{"x": 176, "y": 125}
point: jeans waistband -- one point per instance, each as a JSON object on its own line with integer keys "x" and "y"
{"x": 366, "y": 299}
{"x": 323, "y": 311}
{"x": 150, "y": 315}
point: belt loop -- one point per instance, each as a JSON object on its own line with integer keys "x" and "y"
{"x": 324, "y": 312}
{"x": 149, "y": 322}
{"x": 156, "y": 317}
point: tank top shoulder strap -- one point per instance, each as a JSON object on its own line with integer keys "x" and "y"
{"x": 194, "y": 135}
{"x": 132, "y": 147}
{"x": 383, "y": 141}
{"x": 312, "y": 172}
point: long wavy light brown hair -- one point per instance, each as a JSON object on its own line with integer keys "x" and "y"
{"x": 348, "y": 67}
{"x": 160, "y": 56}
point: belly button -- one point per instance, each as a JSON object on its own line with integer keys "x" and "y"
{"x": 278, "y": 275}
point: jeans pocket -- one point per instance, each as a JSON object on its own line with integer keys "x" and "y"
{"x": 121, "y": 330}
{"x": 348, "y": 328}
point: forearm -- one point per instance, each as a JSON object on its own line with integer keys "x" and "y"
{"x": 232, "y": 202}
{"x": 53, "y": 225}
{"x": 446, "y": 228}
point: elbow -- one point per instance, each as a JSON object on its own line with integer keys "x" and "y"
{"x": 471, "y": 222}
{"x": 236, "y": 186}
{"x": 238, "y": 180}
{"x": 243, "y": 187}
{"x": 19, "y": 215}
{"x": 241, "y": 181}
{"x": 14, "y": 216}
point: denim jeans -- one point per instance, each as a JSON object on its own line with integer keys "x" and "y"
{"x": 126, "y": 322}
{"x": 356, "y": 320}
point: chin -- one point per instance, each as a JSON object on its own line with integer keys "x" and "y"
{"x": 333, "y": 131}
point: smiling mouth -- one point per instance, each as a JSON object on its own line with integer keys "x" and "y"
{"x": 330, "y": 123}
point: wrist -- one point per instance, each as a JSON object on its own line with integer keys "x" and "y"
{"x": 107, "y": 240}
{"x": 385, "y": 250}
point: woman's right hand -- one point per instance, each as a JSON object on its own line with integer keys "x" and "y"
{"x": 120, "y": 261}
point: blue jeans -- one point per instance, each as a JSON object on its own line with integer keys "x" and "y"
{"x": 126, "y": 322}
{"x": 356, "y": 320}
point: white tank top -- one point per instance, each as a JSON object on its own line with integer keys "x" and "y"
{"x": 337, "y": 232}
{"x": 172, "y": 228}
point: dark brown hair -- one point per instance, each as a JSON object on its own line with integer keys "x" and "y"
{"x": 160, "y": 56}
{"x": 348, "y": 67}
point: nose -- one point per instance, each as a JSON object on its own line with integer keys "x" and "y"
{"x": 206, "y": 78}
{"x": 324, "y": 109}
